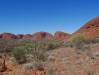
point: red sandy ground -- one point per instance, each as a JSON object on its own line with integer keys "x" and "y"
{"x": 66, "y": 61}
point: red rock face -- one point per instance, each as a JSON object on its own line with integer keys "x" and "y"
{"x": 8, "y": 36}
{"x": 0, "y": 36}
{"x": 27, "y": 36}
{"x": 61, "y": 36}
{"x": 37, "y": 36}
{"x": 90, "y": 29}
{"x": 19, "y": 36}
{"x": 42, "y": 36}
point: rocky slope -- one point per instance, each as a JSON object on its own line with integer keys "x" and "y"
{"x": 90, "y": 29}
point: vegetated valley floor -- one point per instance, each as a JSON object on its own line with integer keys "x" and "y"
{"x": 67, "y": 61}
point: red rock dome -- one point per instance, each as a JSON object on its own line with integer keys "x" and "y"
{"x": 27, "y": 36}
{"x": 0, "y": 35}
{"x": 19, "y": 36}
{"x": 61, "y": 36}
{"x": 90, "y": 29}
{"x": 8, "y": 36}
{"x": 42, "y": 36}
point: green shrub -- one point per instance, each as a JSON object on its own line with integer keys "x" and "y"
{"x": 67, "y": 44}
{"x": 96, "y": 40}
{"x": 39, "y": 66}
{"x": 78, "y": 41}
{"x": 19, "y": 54}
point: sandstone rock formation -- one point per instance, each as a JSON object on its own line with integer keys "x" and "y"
{"x": 90, "y": 29}
{"x": 19, "y": 36}
{"x": 61, "y": 36}
{"x": 0, "y": 36}
{"x": 37, "y": 36}
{"x": 27, "y": 36}
{"x": 42, "y": 36}
{"x": 8, "y": 36}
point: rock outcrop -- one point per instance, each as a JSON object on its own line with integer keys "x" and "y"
{"x": 42, "y": 36}
{"x": 0, "y": 35}
{"x": 61, "y": 36}
{"x": 19, "y": 36}
{"x": 37, "y": 36}
{"x": 27, "y": 36}
{"x": 8, "y": 36}
{"x": 90, "y": 29}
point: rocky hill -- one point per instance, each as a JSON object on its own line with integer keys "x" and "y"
{"x": 61, "y": 36}
{"x": 42, "y": 36}
{"x": 37, "y": 36}
{"x": 8, "y": 36}
{"x": 90, "y": 29}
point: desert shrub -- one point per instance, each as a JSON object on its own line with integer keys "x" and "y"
{"x": 46, "y": 44}
{"x": 50, "y": 45}
{"x": 51, "y": 70}
{"x": 96, "y": 40}
{"x": 27, "y": 66}
{"x": 36, "y": 52}
{"x": 5, "y": 48}
{"x": 39, "y": 66}
{"x": 39, "y": 55}
{"x": 51, "y": 58}
{"x": 67, "y": 44}
{"x": 87, "y": 46}
{"x": 78, "y": 41}
{"x": 60, "y": 43}
{"x": 19, "y": 54}
{"x": 92, "y": 40}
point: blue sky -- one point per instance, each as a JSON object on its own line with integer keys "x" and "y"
{"x": 28, "y": 16}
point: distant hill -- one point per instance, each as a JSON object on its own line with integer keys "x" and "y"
{"x": 37, "y": 36}
{"x": 89, "y": 30}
